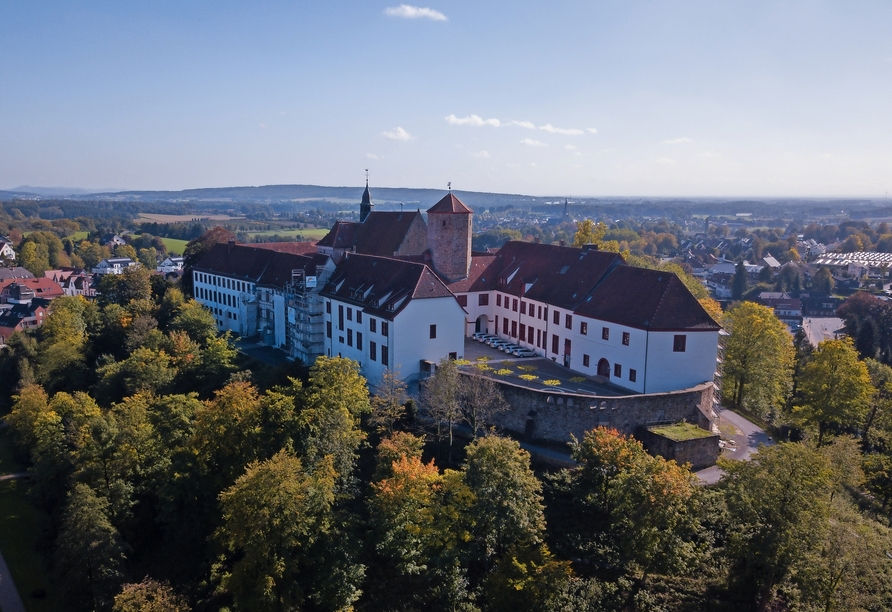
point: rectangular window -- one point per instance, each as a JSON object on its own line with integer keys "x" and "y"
{"x": 626, "y": 337}
{"x": 505, "y": 326}
{"x": 384, "y": 355}
{"x": 433, "y": 331}
{"x": 557, "y": 319}
{"x": 359, "y": 316}
{"x": 530, "y": 334}
{"x": 585, "y": 361}
{"x": 349, "y": 314}
{"x": 341, "y": 340}
{"x": 605, "y": 333}
{"x": 679, "y": 344}
{"x": 483, "y": 299}
{"x": 373, "y": 324}
{"x": 340, "y": 317}
{"x": 583, "y": 328}
{"x": 462, "y": 300}
{"x": 349, "y": 337}
{"x": 538, "y": 337}
{"x": 545, "y": 313}
{"x": 633, "y": 375}
{"x": 359, "y": 340}
{"x": 453, "y": 356}
{"x": 568, "y": 321}
{"x": 328, "y": 329}
{"x": 514, "y": 305}
{"x": 498, "y": 299}
{"x": 373, "y": 350}
{"x": 554, "y": 343}
{"x": 617, "y": 370}
{"x": 385, "y": 328}
{"x": 523, "y": 307}
{"x": 513, "y": 329}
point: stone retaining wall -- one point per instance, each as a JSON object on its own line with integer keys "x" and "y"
{"x": 699, "y": 452}
{"x": 552, "y": 416}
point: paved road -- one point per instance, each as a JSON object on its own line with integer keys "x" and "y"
{"x": 747, "y": 441}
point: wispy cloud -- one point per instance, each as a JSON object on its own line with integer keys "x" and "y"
{"x": 532, "y": 143}
{"x": 397, "y": 134}
{"x": 554, "y": 130}
{"x": 666, "y": 161}
{"x": 571, "y": 147}
{"x": 682, "y": 140}
{"x": 371, "y": 156}
{"x": 472, "y": 120}
{"x": 481, "y": 155}
{"x": 262, "y": 126}
{"x": 593, "y": 130}
{"x": 406, "y": 11}
{"x": 524, "y": 124}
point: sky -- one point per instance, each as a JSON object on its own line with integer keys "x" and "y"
{"x": 579, "y": 98}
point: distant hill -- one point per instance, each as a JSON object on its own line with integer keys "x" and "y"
{"x": 55, "y": 192}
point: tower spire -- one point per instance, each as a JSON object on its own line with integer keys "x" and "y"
{"x": 365, "y": 207}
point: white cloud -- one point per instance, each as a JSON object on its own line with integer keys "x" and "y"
{"x": 571, "y": 147}
{"x": 682, "y": 140}
{"x": 482, "y": 155}
{"x": 533, "y": 143}
{"x": 553, "y": 130}
{"x": 524, "y": 124}
{"x": 262, "y": 126}
{"x": 666, "y": 161}
{"x": 397, "y": 134}
{"x": 371, "y": 156}
{"x": 593, "y": 130}
{"x": 472, "y": 120}
{"x": 406, "y": 11}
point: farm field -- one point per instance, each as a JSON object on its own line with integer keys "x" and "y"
{"x": 161, "y": 218}
{"x": 78, "y": 236}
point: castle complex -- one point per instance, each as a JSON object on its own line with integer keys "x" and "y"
{"x": 398, "y": 290}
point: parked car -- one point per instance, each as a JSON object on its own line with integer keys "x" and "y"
{"x": 498, "y": 343}
{"x": 509, "y": 348}
{"x": 495, "y": 339}
{"x": 523, "y": 352}
{"x": 484, "y": 337}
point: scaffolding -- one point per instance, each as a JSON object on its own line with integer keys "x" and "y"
{"x": 305, "y": 323}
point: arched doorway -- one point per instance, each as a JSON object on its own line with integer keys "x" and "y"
{"x": 482, "y": 324}
{"x": 604, "y": 368}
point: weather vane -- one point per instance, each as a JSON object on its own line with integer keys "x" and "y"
{"x": 449, "y": 185}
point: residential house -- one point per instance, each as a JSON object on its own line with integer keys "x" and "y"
{"x": 22, "y": 317}
{"x": 114, "y": 265}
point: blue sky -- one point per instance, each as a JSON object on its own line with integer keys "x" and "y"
{"x": 585, "y": 98}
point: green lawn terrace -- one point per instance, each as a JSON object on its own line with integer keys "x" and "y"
{"x": 680, "y": 432}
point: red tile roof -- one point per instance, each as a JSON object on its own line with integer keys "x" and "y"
{"x": 42, "y": 287}
{"x": 450, "y": 204}
{"x": 257, "y": 265}
{"x": 341, "y": 236}
{"x": 383, "y": 286}
{"x": 647, "y": 299}
{"x": 295, "y": 248}
{"x": 383, "y": 232}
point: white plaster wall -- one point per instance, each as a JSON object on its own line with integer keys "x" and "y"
{"x": 612, "y": 349}
{"x": 669, "y": 371}
{"x": 410, "y": 341}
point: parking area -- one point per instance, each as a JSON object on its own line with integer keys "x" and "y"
{"x": 533, "y": 372}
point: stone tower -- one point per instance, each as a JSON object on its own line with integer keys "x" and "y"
{"x": 365, "y": 207}
{"x": 449, "y": 237}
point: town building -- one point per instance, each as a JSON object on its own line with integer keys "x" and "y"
{"x": 6, "y": 249}
{"x": 20, "y": 290}
{"x": 22, "y": 316}
{"x": 170, "y": 265}
{"x": 114, "y": 265}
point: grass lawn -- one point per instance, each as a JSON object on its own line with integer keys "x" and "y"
{"x": 175, "y": 245}
{"x": 680, "y": 431}
{"x": 310, "y": 234}
{"x": 20, "y": 526}
{"x": 78, "y": 236}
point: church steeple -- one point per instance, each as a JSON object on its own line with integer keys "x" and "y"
{"x": 365, "y": 207}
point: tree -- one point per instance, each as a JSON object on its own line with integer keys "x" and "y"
{"x": 329, "y": 416}
{"x": 388, "y": 402}
{"x": 196, "y": 320}
{"x": 35, "y": 258}
{"x": 778, "y": 504}
{"x": 440, "y": 399}
{"x": 758, "y": 364}
{"x": 149, "y": 596}
{"x": 822, "y": 281}
{"x": 588, "y": 232}
{"x": 834, "y": 389}
{"x": 90, "y": 554}
{"x": 272, "y": 517}
{"x": 738, "y": 281}
{"x": 481, "y": 399}
{"x": 507, "y": 506}
{"x": 132, "y": 284}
